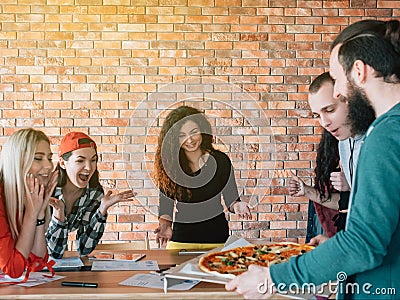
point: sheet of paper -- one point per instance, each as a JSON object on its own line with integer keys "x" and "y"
{"x": 193, "y": 269}
{"x": 233, "y": 242}
{"x": 35, "y": 278}
{"x": 157, "y": 282}
{"x": 118, "y": 265}
{"x": 71, "y": 262}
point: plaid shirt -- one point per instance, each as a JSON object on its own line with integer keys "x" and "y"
{"x": 84, "y": 217}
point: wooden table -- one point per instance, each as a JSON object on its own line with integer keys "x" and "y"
{"x": 109, "y": 287}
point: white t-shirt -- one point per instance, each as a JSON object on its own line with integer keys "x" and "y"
{"x": 345, "y": 148}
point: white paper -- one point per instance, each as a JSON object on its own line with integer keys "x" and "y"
{"x": 35, "y": 278}
{"x": 233, "y": 242}
{"x": 119, "y": 265}
{"x": 193, "y": 269}
{"x": 157, "y": 282}
{"x": 71, "y": 262}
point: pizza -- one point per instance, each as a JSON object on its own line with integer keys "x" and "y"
{"x": 236, "y": 261}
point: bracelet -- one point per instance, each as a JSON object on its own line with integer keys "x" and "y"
{"x": 40, "y": 221}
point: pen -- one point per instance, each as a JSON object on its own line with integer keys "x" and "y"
{"x": 156, "y": 273}
{"x": 162, "y": 270}
{"x": 186, "y": 252}
{"x": 140, "y": 257}
{"x": 165, "y": 285}
{"x": 79, "y": 284}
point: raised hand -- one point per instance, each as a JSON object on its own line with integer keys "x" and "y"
{"x": 109, "y": 199}
{"x": 163, "y": 234}
{"x": 58, "y": 208}
{"x": 296, "y": 186}
{"x": 318, "y": 240}
{"x": 34, "y": 196}
{"x": 339, "y": 181}
{"x": 48, "y": 191}
{"x": 242, "y": 209}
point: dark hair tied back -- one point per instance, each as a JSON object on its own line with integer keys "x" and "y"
{"x": 392, "y": 34}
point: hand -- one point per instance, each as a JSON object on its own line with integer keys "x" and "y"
{"x": 163, "y": 234}
{"x": 109, "y": 200}
{"x": 242, "y": 209}
{"x": 256, "y": 283}
{"x": 296, "y": 186}
{"x": 58, "y": 208}
{"x": 49, "y": 189}
{"x": 34, "y": 195}
{"x": 339, "y": 182}
{"x": 318, "y": 240}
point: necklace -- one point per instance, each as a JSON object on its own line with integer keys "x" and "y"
{"x": 351, "y": 159}
{"x": 204, "y": 159}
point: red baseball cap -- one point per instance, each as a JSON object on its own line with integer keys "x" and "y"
{"x": 72, "y": 141}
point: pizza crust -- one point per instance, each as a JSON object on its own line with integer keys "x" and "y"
{"x": 259, "y": 255}
{"x": 206, "y": 270}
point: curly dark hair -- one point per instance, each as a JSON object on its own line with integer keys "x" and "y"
{"x": 170, "y": 158}
{"x": 327, "y": 162}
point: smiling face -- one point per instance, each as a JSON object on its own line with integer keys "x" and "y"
{"x": 190, "y": 137}
{"x": 42, "y": 165}
{"x": 331, "y": 112}
{"x": 80, "y": 166}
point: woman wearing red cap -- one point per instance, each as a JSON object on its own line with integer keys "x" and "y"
{"x": 79, "y": 201}
{"x": 26, "y": 183}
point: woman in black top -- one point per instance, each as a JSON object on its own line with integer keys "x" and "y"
{"x": 191, "y": 176}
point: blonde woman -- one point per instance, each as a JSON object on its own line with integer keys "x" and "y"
{"x": 26, "y": 183}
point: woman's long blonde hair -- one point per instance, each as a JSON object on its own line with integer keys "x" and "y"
{"x": 15, "y": 162}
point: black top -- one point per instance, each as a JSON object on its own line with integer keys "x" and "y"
{"x": 201, "y": 219}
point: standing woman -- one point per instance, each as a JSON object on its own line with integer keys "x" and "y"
{"x": 192, "y": 176}
{"x": 79, "y": 202}
{"x": 26, "y": 183}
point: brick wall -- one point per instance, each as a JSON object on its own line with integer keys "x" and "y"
{"x": 112, "y": 68}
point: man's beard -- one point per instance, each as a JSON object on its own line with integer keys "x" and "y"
{"x": 361, "y": 113}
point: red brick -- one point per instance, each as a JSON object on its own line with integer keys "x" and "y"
{"x": 272, "y": 233}
{"x": 336, "y": 4}
{"x": 282, "y": 225}
{"x": 322, "y": 12}
{"x": 110, "y": 67}
{"x": 282, "y": 3}
{"x": 387, "y": 13}
{"x": 388, "y": 4}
